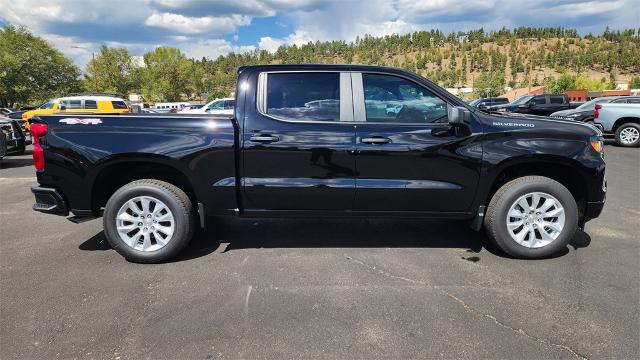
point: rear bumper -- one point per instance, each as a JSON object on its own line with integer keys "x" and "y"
{"x": 49, "y": 201}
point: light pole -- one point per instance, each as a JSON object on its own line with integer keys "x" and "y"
{"x": 93, "y": 64}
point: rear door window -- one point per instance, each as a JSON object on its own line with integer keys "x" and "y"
{"x": 71, "y": 104}
{"x": 304, "y": 96}
{"x": 556, "y": 99}
{"x": 90, "y": 104}
{"x": 119, "y": 105}
{"x": 539, "y": 100}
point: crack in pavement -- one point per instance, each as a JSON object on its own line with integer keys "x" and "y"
{"x": 471, "y": 310}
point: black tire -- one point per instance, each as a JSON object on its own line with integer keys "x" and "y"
{"x": 174, "y": 198}
{"x": 619, "y": 134}
{"x": 495, "y": 220}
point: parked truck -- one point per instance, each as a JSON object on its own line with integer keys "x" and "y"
{"x": 620, "y": 119}
{"x": 322, "y": 140}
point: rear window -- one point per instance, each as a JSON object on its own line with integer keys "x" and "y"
{"x": 119, "y": 105}
{"x": 304, "y": 96}
{"x": 90, "y": 104}
{"x": 557, "y": 99}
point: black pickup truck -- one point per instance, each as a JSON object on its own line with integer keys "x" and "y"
{"x": 322, "y": 140}
{"x": 543, "y": 104}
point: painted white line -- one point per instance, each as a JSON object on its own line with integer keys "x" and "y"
{"x": 33, "y": 178}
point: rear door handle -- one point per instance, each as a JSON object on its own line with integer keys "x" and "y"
{"x": 264, "y": 138}
{"x": 375, "y": 140}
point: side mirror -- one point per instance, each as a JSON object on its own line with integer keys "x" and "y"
{"x": 524, "y": 106}
{"x": 62, "y": 108}
{"x": 458, "y": 115}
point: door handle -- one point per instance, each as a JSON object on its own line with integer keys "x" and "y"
{"x": 264, "y": 138}
{"x": 375, "y": 140}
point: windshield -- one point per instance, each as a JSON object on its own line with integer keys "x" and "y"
{"x": 47, "y": 105}
{"x": 591, "y": 105}
{"x": 475, "y": 102}
{"x": 522, "y": 99}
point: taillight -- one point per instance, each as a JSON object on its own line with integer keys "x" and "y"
{"x": 38, "y": 130}
{"x": 596, "y": 113}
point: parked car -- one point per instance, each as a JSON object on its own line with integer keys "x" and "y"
{"x": 529, "y": 181}
{"x": 482, "y": 103}
{"x": 192, "y": 107}
{"x": 171, "y": 107}
{"x": 584, "y": 112}
{"x": 544, "y": 104}
{"x": 12, "y": 136}
{"x": 217, "y": 106}
{"x": 620, "y": 119}
{"x": 95, "y": 104}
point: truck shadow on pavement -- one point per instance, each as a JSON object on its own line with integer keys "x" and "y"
{"x": 236, "y": 234}
{"x": 16, "y": 161}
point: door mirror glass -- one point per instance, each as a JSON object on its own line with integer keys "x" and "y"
{"x": 458, "y": 115}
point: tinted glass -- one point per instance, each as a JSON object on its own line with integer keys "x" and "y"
{"x": 217, "y": 105}
{"x": 500, "y": 101}
{"x": 633, "y": 100}
{"x": 90, "y": 104}
{"x": 522, "y": 99}
{"x": 304, "y": 96}
{"x": 556, "y": 99}
{"x": 47, "y": 105}
{"x": 539, "y": 100}
{"x": 392, "y": 99}
{"x": 71, "y": 104}
{"x": 119, "y": 104}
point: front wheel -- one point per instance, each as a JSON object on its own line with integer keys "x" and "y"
{"x": 149, "y": 221}
{"x": 532, "y": 217}
{"x": 628, "y": 135}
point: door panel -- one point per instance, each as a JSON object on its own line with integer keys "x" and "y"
{"x": 408, "y": 158}
{"x": 298, "y": 150}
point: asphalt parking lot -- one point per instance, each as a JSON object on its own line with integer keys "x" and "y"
{"x": 319, "y": 288}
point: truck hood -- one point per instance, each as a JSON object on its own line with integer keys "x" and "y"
{"x": 517, "y": 120}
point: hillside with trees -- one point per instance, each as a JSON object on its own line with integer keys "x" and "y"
{"x": 556, "y": 57}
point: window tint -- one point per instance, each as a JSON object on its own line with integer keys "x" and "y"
{"x": 556, "y": 99}
{"x": 539, "y": 100}
{"x": 90, "y": 104}
{"x": 633, "y": 100}
{"x": 47, "y": 105}
{"x": 392, "y": 99}
{"x": 619, "y": 101}
{"x": 119, "y": 104}
{"x": 71, "y": 104}
{"x": 304, "y": 96}
{"x": 217, "y": 105}
{"x": 229, "y": 104}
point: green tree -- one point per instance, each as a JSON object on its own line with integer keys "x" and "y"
{"x": 563, "y": 83}
{"x": 113, "y": 70}
{"x": 167, "y": 75}
{"x": 489, "y": 84}
{"x": 31, "y": 69}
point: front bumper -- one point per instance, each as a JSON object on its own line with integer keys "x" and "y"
{"x": 593, "y": 210}
{"x": 49, "y": 201}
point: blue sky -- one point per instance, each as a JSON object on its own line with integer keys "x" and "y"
{"x": 209, "y": 28}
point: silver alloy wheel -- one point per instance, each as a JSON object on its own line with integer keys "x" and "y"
{"x": 535, "y": 219}
{"x": 145, "y": 223}
{"x": 629, "y": 135}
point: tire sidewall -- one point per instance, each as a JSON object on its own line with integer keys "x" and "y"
{"x": 619, "y": 131}
{"x": 181, "y": 216}
{"x": 552, "y": 188}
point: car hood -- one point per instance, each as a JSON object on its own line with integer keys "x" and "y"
{"x": 524, "y": 121}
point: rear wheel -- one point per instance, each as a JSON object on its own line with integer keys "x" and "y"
{"x": 628, "y": 135}
{"x": 149, "y": 221}
{"x": 532, "y": 217}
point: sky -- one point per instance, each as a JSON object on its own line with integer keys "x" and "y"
{"x": 209, "y": 28}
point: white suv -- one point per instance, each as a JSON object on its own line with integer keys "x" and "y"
{"x": 217, "y": 106}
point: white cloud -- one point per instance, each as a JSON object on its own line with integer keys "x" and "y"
{"x": 197, "y": 25}
{"x": 270, "y": 44}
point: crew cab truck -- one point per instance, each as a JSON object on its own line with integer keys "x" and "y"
{"x": 621, "y": 119}
{"x": 322, "y": 140}
{"x": 543, "y": 104}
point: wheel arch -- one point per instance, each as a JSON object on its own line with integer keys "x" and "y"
{"x": 561, "y": 169}
{"x": 623, "y": 120}
{"x": 110, "y": 175}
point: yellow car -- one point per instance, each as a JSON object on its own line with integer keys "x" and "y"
{"x": 79, "y": 104}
